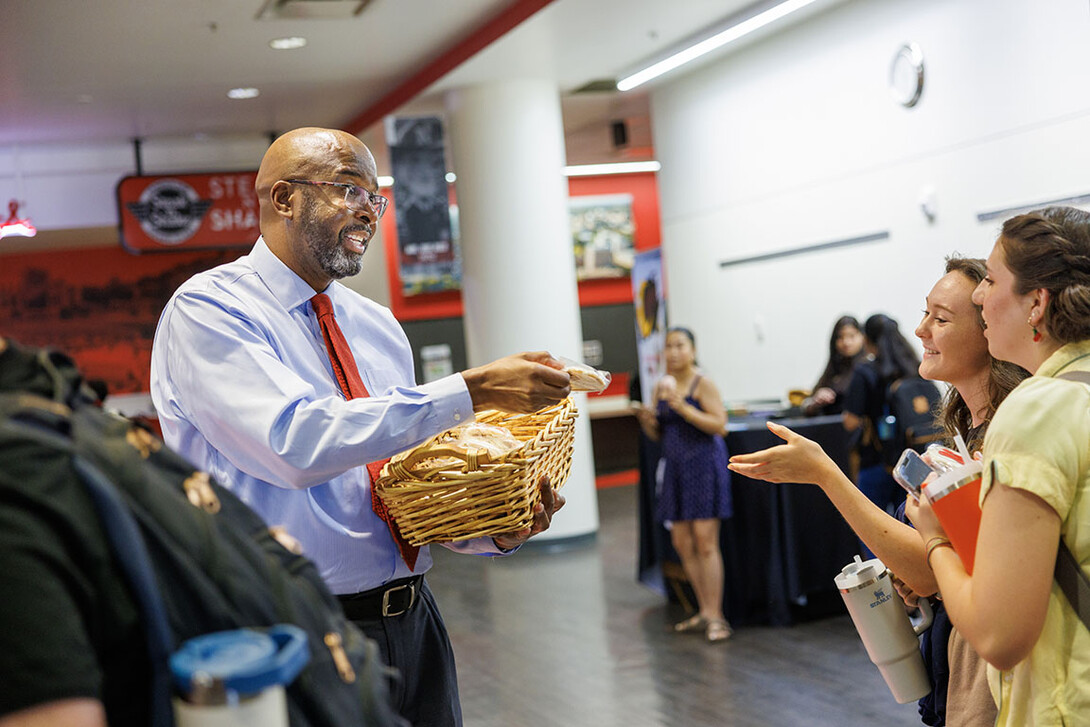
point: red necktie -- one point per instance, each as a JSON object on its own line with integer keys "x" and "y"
{"x": 348, "y": 376}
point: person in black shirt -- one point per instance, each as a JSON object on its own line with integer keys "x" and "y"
{"x": 846, "y": 351}
{"x": 72, "y": 649}
{"x": 865, "y": 405}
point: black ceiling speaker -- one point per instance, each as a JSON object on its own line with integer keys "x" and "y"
{"x": 619, "y": 130}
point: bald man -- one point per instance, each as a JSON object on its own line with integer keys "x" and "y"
{"x": 244, "y": 385}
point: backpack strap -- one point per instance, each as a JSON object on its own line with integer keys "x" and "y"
{"x": 1070, "y": 577}
{"x": 1082, "y": 377}
{"x": 67, "y": 383}
{"x": 1073, "y": 582}
{"x": 132, "y": 556}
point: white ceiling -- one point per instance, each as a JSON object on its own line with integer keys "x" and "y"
{"x": 73, "y": 70}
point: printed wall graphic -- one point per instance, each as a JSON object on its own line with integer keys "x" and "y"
{"x": 436, "y": 361}
{"x": 187, "y": 211}
{"x": 649, "y": 302}
{"x": 426, "y": 233}
{"x": 603, "y": 233}
{"x": 99, "y": 305}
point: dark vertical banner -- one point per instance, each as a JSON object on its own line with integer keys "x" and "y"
{"x": 649, "y": 301}
{"x": 428, "y": 254}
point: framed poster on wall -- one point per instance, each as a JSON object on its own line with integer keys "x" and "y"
{"x": 603, "y": 234}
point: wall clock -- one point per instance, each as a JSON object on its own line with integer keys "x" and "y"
{"x": 906, "y": 75}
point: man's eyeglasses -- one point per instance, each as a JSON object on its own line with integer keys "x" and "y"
{"x": 355, "y": 197}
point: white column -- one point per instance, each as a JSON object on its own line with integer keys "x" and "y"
{"x": 518, "y": 268}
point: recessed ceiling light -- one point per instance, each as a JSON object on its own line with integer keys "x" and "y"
{"x": 243, "y": 93}
{"x": 289, "y": 43}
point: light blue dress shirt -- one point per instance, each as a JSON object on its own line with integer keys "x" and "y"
{"x": 243, "y": 386}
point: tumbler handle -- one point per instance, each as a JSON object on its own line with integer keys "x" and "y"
{"x": 923, "y": 619}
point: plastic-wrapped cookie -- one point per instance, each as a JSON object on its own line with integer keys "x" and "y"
{"x": 587, "y": 378}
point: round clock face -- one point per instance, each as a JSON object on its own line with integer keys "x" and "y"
{"x": 906, "y": 75}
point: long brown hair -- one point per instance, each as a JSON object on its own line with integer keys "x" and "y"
{"x": 954, "y": 413}
{"x": 839, "y": 367}
{"x": 1050, "y": 248}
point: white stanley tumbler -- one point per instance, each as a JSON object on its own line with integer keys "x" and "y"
{"x": 237, "y": 678}
{"x": 887, "y": 633}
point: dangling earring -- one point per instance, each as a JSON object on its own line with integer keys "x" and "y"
{"x": 1036, "y": 333}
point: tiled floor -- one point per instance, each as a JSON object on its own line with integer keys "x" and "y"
{"x": 571, "y": 638}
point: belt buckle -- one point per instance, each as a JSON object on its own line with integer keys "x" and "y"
{"x": 386, "y": 612}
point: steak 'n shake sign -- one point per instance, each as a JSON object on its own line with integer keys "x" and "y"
{"x": 187, "y": 212}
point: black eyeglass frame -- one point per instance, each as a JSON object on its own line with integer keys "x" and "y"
{"x": 377, "y": 201}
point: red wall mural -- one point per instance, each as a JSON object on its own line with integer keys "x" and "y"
{"x": 99, "y": 305}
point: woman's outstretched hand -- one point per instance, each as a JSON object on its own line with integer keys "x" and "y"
{"x": 797, "y": 460}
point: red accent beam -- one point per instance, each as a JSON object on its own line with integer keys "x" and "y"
{"x": 617, "y": 479}
{"x": 478, "y": 40}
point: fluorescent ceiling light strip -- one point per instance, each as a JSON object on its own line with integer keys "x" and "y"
{"x": 716, "y": 41}
{"x": 618, "y": 168}
{"x": 584, "y": 170}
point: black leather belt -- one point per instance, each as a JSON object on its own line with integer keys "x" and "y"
{"x": 390, "y": 599}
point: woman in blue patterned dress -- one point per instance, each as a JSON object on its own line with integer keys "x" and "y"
{"x": 694, "y": 484}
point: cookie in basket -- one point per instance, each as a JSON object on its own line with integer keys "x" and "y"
{"x": 585, "y": 378}
{"x": 467, "y": 439}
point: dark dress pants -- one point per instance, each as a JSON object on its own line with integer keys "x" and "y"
{"x": 416, "y": 644}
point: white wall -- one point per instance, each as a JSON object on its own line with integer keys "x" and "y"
{"x": 74, "y": 185}
{"x": 797, "y": 141}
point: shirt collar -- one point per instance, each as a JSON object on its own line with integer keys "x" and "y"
{"x": 286, "y": 286}
{"x": 1063, "y": 357}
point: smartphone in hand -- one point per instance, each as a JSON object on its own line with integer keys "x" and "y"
{"x": 911, "y": 472}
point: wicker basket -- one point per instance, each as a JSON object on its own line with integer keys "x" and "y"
{"x": 435, "y": 500}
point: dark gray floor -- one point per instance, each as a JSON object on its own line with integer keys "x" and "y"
{"x": 571, "y": 638}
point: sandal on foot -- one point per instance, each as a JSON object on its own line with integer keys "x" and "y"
{"x": 717, "y": 631}
{"x": 693, "y": 623}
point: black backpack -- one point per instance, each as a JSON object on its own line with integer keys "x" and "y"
{"x": 910, "y": 420}
{"x": 197, "y": 559}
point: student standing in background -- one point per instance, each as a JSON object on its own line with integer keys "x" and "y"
{"x": 689, "y": 421}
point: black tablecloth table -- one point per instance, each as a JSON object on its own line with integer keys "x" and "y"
{"x": 785, "y": 542}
